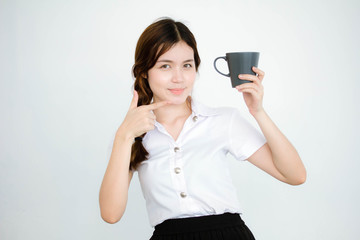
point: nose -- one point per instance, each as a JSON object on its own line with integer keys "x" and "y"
{"x": 177, "y": 75}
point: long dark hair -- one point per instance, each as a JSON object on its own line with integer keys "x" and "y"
{"x": 156, "y": 39}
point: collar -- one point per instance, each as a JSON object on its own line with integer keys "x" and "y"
{"x": 199, "y": 108}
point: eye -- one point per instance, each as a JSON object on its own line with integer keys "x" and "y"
{"x": 165, "y": 66}
{"x": 187, "y": 65}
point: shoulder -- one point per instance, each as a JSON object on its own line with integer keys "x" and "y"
{"x": 223, "y": 116}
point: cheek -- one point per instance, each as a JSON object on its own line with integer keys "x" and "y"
{"x": 156, "y": 80}
{"x": 153, "y": 84}
{"x": 159, "y": 75}
{"x": 191, "y": 76}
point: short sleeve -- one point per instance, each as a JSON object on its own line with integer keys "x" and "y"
{"x": 244, "y": 138}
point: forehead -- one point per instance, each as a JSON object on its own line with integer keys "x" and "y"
{"x": 179, "y": 51}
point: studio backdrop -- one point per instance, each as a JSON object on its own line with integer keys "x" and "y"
{"x": 66, "y": 86}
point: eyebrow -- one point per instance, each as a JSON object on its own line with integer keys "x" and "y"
{"x": 169, "y": 61}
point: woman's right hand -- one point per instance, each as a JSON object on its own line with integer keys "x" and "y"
{"x": 140, "y": 120}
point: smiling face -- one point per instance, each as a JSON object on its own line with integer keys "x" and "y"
{"x": 173, "y": 75}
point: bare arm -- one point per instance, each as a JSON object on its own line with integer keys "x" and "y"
{"x": 114, "y": 188}
{"x": 278, "y": 157}
{"x": 115, "y": 185}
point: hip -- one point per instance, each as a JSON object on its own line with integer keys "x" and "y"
{"x": 224, "y": 226}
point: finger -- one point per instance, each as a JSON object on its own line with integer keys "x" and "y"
{"x": 151, "y": 115}
{"x": 249, "y": 90}
{"x": 245, "y": 85}
{"x": 134, "y": 100}
{"x": 157, "y": 105}
{"x": 249, "y": 85}
{"x": 258, "y": 70}
{"x": 260, "y": 73}
{"x": 150, "y": 125}
{"x": 249, "y": 77}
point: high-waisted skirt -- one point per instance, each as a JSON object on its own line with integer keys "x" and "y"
{"x": 227, "y": 226}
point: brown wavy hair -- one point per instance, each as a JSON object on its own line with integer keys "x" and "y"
{"x": 156, "y": 39}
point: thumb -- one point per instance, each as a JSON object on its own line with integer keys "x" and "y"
{"x": 134, "y": 100}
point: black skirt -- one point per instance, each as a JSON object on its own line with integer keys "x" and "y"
{"x": 227, "y": 226}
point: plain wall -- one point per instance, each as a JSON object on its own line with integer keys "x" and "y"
{"x": 66, "y": 85}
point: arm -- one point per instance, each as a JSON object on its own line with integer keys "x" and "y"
{"x": 114, "y": 188}
{"x": 277, "y": 157}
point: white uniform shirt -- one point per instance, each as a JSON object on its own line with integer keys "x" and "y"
{"x": 190, "y": 176}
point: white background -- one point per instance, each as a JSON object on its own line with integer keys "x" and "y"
{"x": 65, "y": 70}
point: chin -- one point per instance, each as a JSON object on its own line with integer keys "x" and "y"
{"x": 178, "y": 100}
{"x": 174, "y": 99}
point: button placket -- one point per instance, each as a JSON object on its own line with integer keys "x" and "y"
{"x": 178, "y": 158}
{"x": 178, "y": 173}
{"x": 177, "y": 161}
{"x": 183, "y": 194}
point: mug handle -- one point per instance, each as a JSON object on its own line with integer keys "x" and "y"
{"x": 226, "y": 75}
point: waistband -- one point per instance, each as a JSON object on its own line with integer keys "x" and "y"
{"x": 201, "y": 223}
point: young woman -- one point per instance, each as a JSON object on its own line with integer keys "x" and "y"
{"x": 179, "y": 146}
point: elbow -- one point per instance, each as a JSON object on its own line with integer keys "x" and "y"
{"x": 111, "y": 219}
{"x": 299, "y": 180}
{"x": 112, "y": 213}
{"x": 111, "y": 216}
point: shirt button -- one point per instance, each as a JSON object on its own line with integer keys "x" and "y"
{"x": 176, "y": 149}
{"x": 195, "y": 118}
{"x": 177, "y": 170}
{"x": 183, "y": 195}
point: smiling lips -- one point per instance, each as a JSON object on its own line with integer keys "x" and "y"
{"x": 177, "y": 91}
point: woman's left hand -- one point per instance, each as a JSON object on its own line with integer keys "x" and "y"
{"x": 253, "y": 92}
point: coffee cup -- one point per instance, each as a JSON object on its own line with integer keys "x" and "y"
{"x": 239, "y": 63}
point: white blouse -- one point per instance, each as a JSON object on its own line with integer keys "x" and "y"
{"x": 190, "y": 176}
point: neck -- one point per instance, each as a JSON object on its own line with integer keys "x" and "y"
{"x": 172, "y": 112}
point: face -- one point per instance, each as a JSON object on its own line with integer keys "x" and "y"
{"x": 172, "y": 77}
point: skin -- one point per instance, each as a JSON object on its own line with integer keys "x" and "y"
{"x": 175, "y": 69}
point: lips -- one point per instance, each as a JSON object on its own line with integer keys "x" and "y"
{"x": 177, "y": 91}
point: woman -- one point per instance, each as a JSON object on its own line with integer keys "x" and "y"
{"x": 178, "y": 145}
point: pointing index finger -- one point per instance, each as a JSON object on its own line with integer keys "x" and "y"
{"x": 157, "y": 105}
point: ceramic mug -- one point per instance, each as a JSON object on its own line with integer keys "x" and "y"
{"x": 239, "y": 63}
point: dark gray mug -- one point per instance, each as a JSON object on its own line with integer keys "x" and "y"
{"x": 239, "y": 63}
